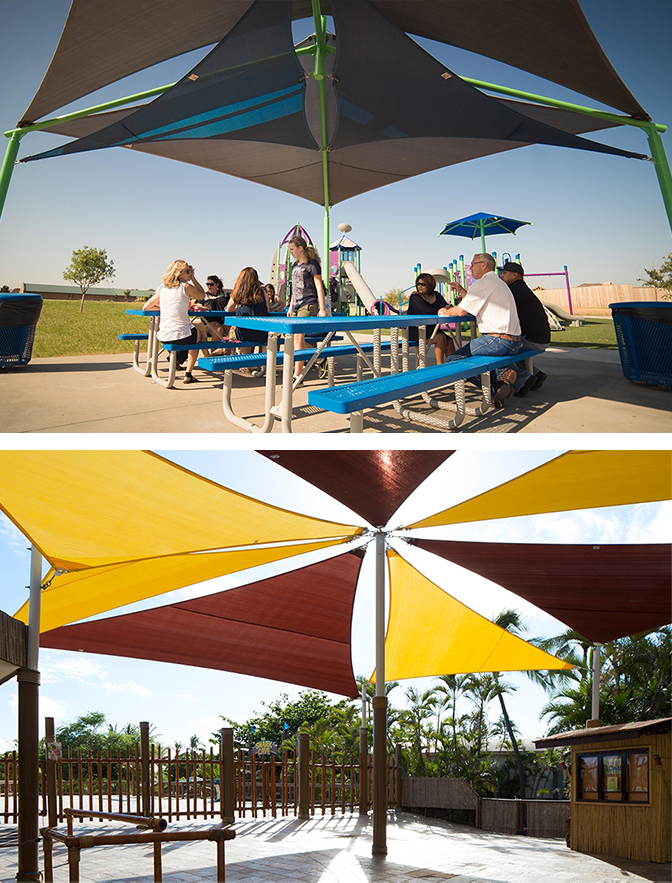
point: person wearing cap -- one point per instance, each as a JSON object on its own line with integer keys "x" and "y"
{"x": 533, "y": 323}
{"x": 491, "y": 301}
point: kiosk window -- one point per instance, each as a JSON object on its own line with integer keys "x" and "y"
{"x": 614, "y": 776}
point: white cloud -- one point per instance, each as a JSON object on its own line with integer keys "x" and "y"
{"x": 53, "y": 708}
{"x": 186, "y": 696}
{"x": 15, "y": 541}
{"x": 128, "y": 687}
{"x": 55, "y": 668}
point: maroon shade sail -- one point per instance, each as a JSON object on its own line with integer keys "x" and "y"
{"x": 603, "y": 592}
{"x": 373, "y": 484}
{"x": 295, "y": 627}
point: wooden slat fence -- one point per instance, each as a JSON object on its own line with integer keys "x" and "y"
{"x": 188, "y": 786}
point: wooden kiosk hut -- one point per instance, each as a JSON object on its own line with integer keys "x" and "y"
{"x": 620, "y": 800}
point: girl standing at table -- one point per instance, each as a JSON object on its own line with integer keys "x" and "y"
{"x": 307, "y": 289}
{"x": 172, "y": 300}
{"x": 426, "y": 300}
{"x": 248, "y": 298}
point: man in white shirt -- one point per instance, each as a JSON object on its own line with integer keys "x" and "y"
{"x": 491, "y": 301}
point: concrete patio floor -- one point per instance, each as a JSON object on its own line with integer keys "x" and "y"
{"x": 585, "y": 392}
{"x": 338, "y": 849}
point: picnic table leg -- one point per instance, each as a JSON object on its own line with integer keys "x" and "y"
{"x": 486, "y": 391}
{"x": 287, "y": 384}
{"x": 394, "y": 350}
{"x": 357, "y": 421}
{"x": 227, "y": 388}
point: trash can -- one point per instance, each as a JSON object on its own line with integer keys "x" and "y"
{"x": 644, "y": 335}
{"x": 18, "y": 319}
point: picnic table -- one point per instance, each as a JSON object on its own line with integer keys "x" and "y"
{"x": 285, "y": 327}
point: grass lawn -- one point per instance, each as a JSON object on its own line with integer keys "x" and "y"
{"x": 593, "y": 334}
{"x": 64, "y": 331}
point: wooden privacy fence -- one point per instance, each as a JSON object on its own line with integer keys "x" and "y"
{"x": 191, "y": 785}
{"x": 536, "y": 818}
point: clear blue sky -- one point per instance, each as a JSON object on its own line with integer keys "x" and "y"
{"x": 181, "y": 700}
{"x": 602, "y": 216}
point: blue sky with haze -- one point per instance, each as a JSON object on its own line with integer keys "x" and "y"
{"x": 602, "y": 216}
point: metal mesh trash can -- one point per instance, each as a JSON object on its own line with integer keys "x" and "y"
{"x": 644, "y": 335}
{"x": 18, "y": 319}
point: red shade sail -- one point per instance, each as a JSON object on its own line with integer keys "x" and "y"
{"x": 603, "y": 592}
{"x": 372, "y": 483}
{"x": 294, "y": 628}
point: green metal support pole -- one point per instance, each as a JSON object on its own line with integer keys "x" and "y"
{"x": 652, "y": 130}
{"x": 8, "y": 166}
{"x": 15, "y": 135}
{"x": 662, "y": 168}
{"x": 319, "y": 75}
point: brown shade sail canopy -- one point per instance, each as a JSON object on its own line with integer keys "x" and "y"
{"x": 293, "y": 628}
{"x": 603, "y": 592}
{"x": 372, "y": 483}
{"x": 550, "y": 39}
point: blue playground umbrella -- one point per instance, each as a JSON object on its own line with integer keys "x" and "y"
{"x": 481, "y": 223}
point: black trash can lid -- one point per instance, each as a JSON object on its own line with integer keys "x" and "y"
{"x": 19, "y": 309}
{"x": 650, "y": 311}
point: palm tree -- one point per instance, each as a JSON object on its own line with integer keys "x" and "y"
{"x": 511, "y": 621}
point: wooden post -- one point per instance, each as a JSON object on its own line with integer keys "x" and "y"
{"x": 227, "y": 790}
{"x": 398, "y": 776}
{"x": 50, "y": 736}
{"x": 28, "y": 679}
{"x": 304, "y": 778}
{"x": 379, "y": 776}
{"x": 144, "y": 769}
{"x": 379, "y": 846}
{"x": 158, "y": 871}
{"x": 363, "y": 771}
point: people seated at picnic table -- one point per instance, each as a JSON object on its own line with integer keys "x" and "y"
{"x": 307, "y": 297}
{"x": 275, "y": 302}
{"x": 533, "y": 323}
{"x": 490, "y": 300}
{"x": 248, "y": 298}
{"x": 215, "y": 299}
{"x": 426, "y": 300}
{"x": 172, "y": 299}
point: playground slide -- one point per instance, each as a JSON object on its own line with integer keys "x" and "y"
{"x": 364, "y": 293}
{"x": 561, "y": 314}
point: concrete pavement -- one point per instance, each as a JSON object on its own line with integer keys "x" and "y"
{"x": 338, "y": 850}
{"x": 585, "y": 392}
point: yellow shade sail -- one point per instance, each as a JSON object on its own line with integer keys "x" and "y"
{"x": 92, "y": 508}
{"x": 575, "y": 480}
{"x": 430, "y": 633}
{"x": 74, "y": 596}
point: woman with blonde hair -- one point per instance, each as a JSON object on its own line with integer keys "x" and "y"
{"x": 249, "y": 298}
{"x": 307, "y": 288}
{"x": 172, "y": 300}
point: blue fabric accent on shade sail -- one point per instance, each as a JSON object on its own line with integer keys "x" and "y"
{"x": 239, "y": 116}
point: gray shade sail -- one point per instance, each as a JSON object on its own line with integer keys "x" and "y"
{"x": 389, "y": 88}
{"x": 352, "y": 170}
{"x": 550, "y": 39}
{"x": 249, "y": 87}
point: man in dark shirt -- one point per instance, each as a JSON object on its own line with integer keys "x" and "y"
{"x": 533, "y": 323}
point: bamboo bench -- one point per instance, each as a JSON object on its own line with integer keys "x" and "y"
{"x": 156, "y": 836}
{"x": 353, "y": 398}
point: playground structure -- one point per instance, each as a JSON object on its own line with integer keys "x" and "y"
{"x": 349, "y": 291}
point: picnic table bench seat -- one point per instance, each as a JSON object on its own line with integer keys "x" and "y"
{"x": 353, "y": 398}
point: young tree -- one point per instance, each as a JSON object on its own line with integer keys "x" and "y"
{"x": 88, "y": 267}
{"x": 660, "y": 277}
